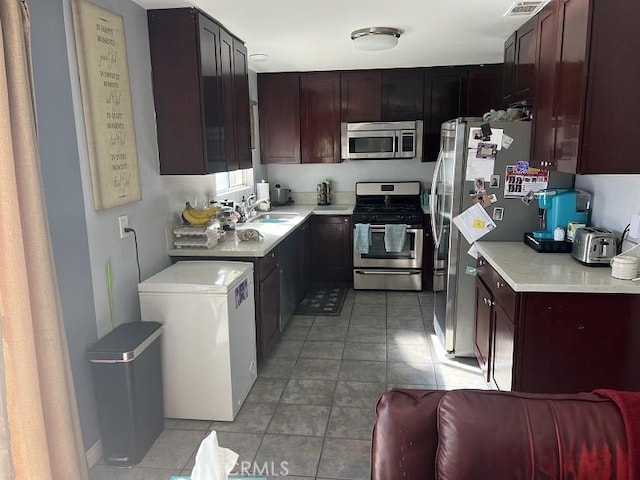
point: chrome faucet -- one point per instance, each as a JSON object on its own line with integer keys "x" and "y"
{"x": 251, "y": 210}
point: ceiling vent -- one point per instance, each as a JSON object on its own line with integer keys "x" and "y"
{"x": 524, "y": 9}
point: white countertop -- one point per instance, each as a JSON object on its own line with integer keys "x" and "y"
{"x": 526, "y": 270}
{"x": 273, "y": 233}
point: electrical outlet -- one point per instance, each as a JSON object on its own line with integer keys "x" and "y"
{"x": 634, "y": 229}
{"x": 123, "y": 222}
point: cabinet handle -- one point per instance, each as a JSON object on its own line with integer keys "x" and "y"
{"x": 346, "y": 220}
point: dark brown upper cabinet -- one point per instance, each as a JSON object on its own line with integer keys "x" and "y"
{"x": 526, "y": 42}
{"x": 279, "y": 112}
{"x": 241, "y": 105}
{"x": 445, "y": 97}
{"x": 519, "y": 64}
{"x": 300, "y": 113}
{"x": 361, "y": 96}
{"x": 586, "y": 81}
{"x": 235, "y": 133}
{"x": 543, "y": 136}
{"x": 199, "y": 125}
{"x": 484, "y": 89}
{"x": 320, "y": 117}
{"x": 610, "y": 133}
{"x": 509, "y": 69}
{"x": 402, "y": 95}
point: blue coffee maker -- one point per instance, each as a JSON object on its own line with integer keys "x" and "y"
{"x": 558, "y": 207}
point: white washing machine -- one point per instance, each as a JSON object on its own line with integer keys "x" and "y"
{"x": 207, "y": 310}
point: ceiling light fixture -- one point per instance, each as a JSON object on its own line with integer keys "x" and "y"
{"x": 259, "y": 57}
{"x": 375, "y": 38}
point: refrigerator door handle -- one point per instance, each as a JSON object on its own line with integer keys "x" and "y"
{"x": 434, "y": 183}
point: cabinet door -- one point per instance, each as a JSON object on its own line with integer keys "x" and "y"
{"x": 173, "y": 40}
{"x": 526, "y": 42}
{"x": 226, "y": 70}
{"x": 269, "y": 311}
{"x": 503, "y": 348}
{"x": 484, "y": 89}
{"x": 445, "y": 94}
{"x": 570, "y": 81}
{"x": 302, "y": 261}
{"x": 509, "y": 70}
{"x": 361, "y": 96}
{"x": 241, "y": 108}
{"x": 320, "y": 117}
{"x": 543, "y": 144}
{"x": 402, "y": 95}
{"x": 482, "y": 337}
{"x": 279, "y": 110}
{"x": 331, "y": 259}
{"x": 579, "y": 342}
{"x": 613, "y": 101}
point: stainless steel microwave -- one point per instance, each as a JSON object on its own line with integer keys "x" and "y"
{"x": 382, "y": 140}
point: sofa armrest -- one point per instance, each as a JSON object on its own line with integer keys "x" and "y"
{"x": 405, "y": 436}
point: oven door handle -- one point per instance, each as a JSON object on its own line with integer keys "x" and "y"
{"x": 380, "y": 228}
{"x": 388, "y": 272}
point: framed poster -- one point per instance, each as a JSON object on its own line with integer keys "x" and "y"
{"x": 106, "y": 102}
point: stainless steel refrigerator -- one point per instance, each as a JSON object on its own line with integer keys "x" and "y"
{"x": 454, "y": 268}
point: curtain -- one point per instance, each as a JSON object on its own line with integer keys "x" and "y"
{"x": 37, "y": 399}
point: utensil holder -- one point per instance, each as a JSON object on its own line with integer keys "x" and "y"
{"x": 323, "y": 194}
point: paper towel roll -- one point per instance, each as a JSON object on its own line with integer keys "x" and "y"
{"x": 262, "y": 191}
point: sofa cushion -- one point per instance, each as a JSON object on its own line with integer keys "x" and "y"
{"x": 502, "y": 435}
{"x": 405, "y": 436}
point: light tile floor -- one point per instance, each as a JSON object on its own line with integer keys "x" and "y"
{"x": 313, "y": 405}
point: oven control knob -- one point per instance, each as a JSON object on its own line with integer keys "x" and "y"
{"x": 402, "y": 218}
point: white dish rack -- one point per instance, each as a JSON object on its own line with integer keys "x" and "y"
{"x": 197, "y": 236}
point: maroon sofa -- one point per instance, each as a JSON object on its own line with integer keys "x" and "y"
{"x": 475, "y": 435}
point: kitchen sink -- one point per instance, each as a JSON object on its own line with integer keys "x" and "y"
{"x": 274, "y": 218}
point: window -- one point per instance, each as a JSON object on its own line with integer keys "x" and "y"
{"x": 237, "y": 179}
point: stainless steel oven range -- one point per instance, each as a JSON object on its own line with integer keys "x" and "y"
{"x": 384, "y": 203}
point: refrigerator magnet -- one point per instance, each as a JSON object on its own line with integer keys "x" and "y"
{"x": 487, "y": 150}
{"x": 498, "y": 214}
{"x": 495, "y": 181}
{"x": 492, "y": 198}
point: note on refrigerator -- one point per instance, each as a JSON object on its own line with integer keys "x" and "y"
{"x": 474, "y": 223}
{"x": 478, "y": 167}
{"x": 476, "y": 137}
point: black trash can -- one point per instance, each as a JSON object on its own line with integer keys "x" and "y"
{"x": 126, "y": 366}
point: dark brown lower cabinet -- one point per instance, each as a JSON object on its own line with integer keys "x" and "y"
{"x": 502, "y": 347}
{"x": 483, "y": 326}
{"x": 330, "y": 241}
{"x": 302, "y": 265}
{"x": 545, "y": 342}
{"x": 269, "y": 288}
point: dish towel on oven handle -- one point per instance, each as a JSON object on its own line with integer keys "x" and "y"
{"x": 394, "y": 237}
{"x": 362, "y": 238}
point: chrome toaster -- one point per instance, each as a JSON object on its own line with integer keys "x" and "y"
{"x": 594, "y": 246}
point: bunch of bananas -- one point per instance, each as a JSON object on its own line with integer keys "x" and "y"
{"x": 195, "y": 216}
